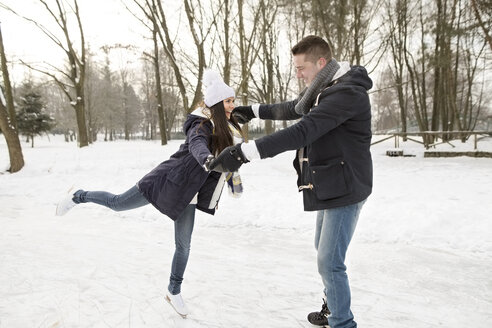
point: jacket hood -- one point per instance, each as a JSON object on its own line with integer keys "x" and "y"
{"x": 200, "y": 112}
{"x": 357, "y": 75}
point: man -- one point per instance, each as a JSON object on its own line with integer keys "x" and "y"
{"x": 333, "y": 160}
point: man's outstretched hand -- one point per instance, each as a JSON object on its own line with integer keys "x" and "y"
{"x": 243, "y": 114}
{"x": 229, "y": 160}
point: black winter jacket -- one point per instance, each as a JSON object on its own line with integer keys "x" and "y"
{"x": 333, "y": 139}
{"x": 171, "y": 186}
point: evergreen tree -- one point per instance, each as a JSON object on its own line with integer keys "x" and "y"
{"x": 30, "y": 119}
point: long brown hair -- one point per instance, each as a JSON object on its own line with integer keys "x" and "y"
{"x": 222, "y": 136}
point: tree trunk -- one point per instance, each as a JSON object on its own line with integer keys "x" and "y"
{"x": 436, "y": 107}
{"x": 83, "y": 140}
{"x": 13, "y": 142}
{"x": 7, "y": 117}
{"x": 267, "y": 45}
{"x": 397, "y": 43}
{"x": 160, "y": 107}
{"x": 243, "y": 88}
{"x": 9, "y": 98}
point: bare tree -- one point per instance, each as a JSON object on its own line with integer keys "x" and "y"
{"x": 199, "y": 30}
{"x": 9, "y": 97}
{"x": 470, "y": 49}
{"x": 7, "y": 116}
{"x": 153, "y": 26}
{"x": 157, "y": 70}
{"x": 481, "y": 7}
{"x": 60, "y": 110}
{"x": 265, "y": 80}
{"x": 437, "y": 82}
{"x": 386, "y": 109}
{"x": 223, "y": 32}
{"x": 109, "y": 106}
{"x": 249, "y": 48}
{"x": 148, "y": 89}
{"x": 127, "y": 101}
{"x": 71, "y": 79}
{"x": 94, "y": 93}
{"x": 456, "y": 56}
{"x": 397, "y": 20}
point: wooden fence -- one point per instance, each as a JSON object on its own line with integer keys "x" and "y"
{"x": 444, "y": 136}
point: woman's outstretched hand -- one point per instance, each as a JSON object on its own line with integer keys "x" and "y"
{"x": 229, "y": 160}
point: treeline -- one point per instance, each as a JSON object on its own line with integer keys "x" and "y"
{"x": 440, "y": 60}
{"x": 429, "y": 60}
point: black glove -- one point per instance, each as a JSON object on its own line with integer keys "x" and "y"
{"x": 243, "y": 114}
{"x": 229, "y": 160}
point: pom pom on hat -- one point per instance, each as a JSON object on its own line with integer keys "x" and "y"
{"x": 209, "y": 76}
{"x": 215, "y": 88}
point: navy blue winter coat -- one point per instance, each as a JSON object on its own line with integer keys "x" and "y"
{"x": 171, "y": 186}
{"x": 335, "y": 137}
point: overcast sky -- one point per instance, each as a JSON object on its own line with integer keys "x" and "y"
{"x": 104, "y": 22}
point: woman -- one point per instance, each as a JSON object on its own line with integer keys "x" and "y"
{"x": 183, "y": 183}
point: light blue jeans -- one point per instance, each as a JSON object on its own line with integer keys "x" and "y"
{"x": 132, "y": 198}
{"x": 334, "y": 230}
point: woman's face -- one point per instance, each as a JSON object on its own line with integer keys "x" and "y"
{"x": 229, "y": 106}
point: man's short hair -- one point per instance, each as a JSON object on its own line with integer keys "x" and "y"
{"x": 313, "y": 47}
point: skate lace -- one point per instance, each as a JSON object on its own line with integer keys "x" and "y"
{"x": 318, "y": 316}
{"x": 324, "y": 310}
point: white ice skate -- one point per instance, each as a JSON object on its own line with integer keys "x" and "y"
{"x": 65, "y": 204}
{"x": 177, "y": 303}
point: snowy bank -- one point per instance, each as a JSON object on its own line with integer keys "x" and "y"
{"x": 421, "y": 254}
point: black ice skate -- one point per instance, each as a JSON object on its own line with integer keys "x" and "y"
{"x": 320, "y": 318}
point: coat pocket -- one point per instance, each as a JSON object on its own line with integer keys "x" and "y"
{"x": 331, "y": 180}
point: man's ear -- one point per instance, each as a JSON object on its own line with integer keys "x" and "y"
{"x": 321, "y": 62}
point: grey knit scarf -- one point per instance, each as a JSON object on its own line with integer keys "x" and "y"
{"x": 320, "y": 82}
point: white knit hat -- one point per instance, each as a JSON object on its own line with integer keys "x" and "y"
{"x": 215, "y": 88}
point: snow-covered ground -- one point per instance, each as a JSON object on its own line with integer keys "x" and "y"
{"x": 421, "y": 255}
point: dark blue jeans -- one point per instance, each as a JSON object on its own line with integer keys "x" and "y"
{"x": 132, "y": 198}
